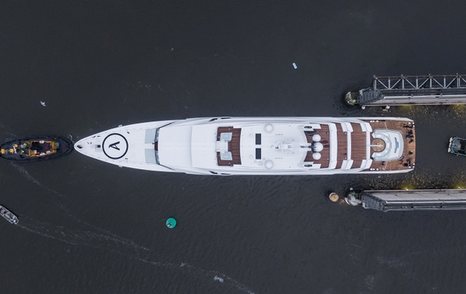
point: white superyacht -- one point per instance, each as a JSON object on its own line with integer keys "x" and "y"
{"x": 260, "y": 145}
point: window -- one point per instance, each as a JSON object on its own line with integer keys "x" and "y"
{"x": 258, "y": 153}
{"x": 258, "y": 139}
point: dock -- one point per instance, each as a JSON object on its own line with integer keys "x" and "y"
{"x": 409, "y": 200}
{"x": 387, "y": 91}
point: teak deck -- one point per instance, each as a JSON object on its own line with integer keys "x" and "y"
{"x": 409, "y": 139}
{"x": 324, "y": 133}
{"x": 233, "y": 146}
{"x": 359, "y": 145}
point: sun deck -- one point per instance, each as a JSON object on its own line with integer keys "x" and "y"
{"x": 360, "y": 145}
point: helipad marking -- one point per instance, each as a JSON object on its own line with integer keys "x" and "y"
{"x": 115, "y": 146}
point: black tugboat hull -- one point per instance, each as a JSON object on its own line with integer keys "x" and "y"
{"x": 65, "y": 147}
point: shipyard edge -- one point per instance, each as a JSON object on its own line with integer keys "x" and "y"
{"x": 260, "y": 145}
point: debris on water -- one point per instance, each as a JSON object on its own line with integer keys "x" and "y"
{"x": 295, "y": 66}
{"x": 43, "y": 103}
{"x": 218, "y": 279}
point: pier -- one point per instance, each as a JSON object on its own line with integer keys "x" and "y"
{"x": 401, "y": 90}
{"x": 409, "y": 200}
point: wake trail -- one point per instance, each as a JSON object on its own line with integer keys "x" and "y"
{"x": 212, "y": 274}
{"x": 26, "y": 174}
{"x": 77, "y": 237}
{"x": 6, "y": 130}
{"x": 102, "y": 242}
{"x": 103, "y": 233}
{"x": 103, "y": 239}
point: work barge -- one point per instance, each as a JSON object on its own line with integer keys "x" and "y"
{"x": 387, "y": 91}
{"x": 408, "y": 200}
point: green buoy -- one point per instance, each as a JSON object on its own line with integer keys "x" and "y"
{"x": 170, "y": 222}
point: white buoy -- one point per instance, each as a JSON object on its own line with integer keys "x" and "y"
{"x": 316, "y": 156}
{"x": 316, "y": 138}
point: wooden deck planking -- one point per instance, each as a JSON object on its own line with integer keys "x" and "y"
{"x": 358, "y": 145}
{"x": 342, "y": 145}
{"x": 233, "y": 146}
{"x": 409, "y": 152}
{"x": 324, "y": 133}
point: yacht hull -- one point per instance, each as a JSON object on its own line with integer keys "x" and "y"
{"x": 260, "y": 145}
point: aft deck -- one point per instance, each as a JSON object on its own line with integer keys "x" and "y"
{"x": 359, "y": 142}
{"x": 408, "y": 158}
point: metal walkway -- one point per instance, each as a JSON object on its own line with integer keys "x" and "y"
{"x": 408, "y": 200}
{"x": 409, "y": 90}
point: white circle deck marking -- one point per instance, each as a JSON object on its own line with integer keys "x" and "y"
{"x": 115, "y": 146}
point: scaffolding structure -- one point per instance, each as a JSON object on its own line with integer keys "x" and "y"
{"x": 408, "y": 90}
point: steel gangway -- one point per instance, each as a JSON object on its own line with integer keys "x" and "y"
{"x": 407, "y": 90}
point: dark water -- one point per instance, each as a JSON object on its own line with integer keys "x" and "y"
{"x": 88, "y": 227}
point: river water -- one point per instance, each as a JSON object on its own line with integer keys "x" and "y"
{"x": 89, "y": 227}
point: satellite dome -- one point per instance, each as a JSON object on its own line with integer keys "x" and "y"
{"x": 317, "y": 147}
{"x": 268, "y": 128}
{"x": 269, "y": 164}
{"x": 316, "y": 156}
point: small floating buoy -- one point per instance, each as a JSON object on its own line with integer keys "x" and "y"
{"x": 334, "y": 197}
{"x": 170, "y": 222}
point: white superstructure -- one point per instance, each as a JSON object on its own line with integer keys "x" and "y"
{"x": 259, "y": 145}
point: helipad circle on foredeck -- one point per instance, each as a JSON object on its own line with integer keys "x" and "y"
{"x": 115, "y": 146}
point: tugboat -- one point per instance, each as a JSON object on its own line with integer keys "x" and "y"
{"x": 457, "y": 146}
{"x": 8, "y": 215}
{"x": 37, "y": 148}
